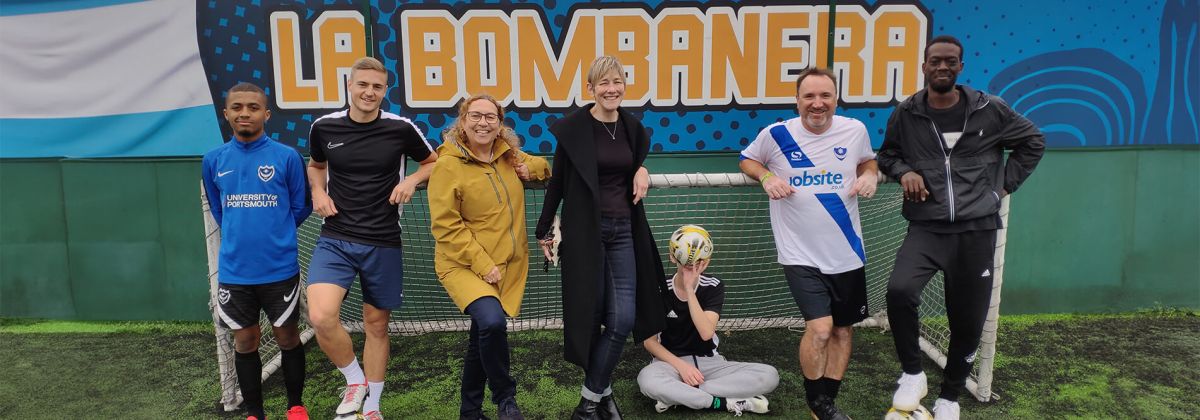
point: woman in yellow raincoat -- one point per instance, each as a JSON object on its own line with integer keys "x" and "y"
{"x": 477, "y": 209}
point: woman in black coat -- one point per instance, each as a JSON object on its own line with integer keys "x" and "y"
{"x": 611, "y": 270}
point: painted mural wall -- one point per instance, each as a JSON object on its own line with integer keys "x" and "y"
{"x": 704, "y": 76}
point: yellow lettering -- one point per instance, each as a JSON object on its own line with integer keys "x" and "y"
{"x": 487, "y": 46}
{"x": 543, "y": 76}
{"x": 430, "y": 49}
{"x": 734, "y": 53}
{"x": 849, "y": 40}
{"x": 340, "y": 40}
{"x": 898, "y": 47}
{"x": 291, "y": 90}
{"x": 680, "y": 53}
{"x": 627, "y": 37}
{"x": 787, "y": 51}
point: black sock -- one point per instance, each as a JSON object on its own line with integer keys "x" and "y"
{"x": 718, "y": 404}
{"x": 832, "y": 386}
{"x": 293, "y": 374}
{"x": 249, "y": 374}
{"x": 813, "y": 388}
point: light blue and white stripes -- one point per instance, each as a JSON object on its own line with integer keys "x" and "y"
{"x": 102, "y": 78}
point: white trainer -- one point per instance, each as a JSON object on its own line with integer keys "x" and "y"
{"x": 352, "y": 399}
{"x": 945, "y": 409}
{"x": 912, "y": 389}
{"x": 752, "y": 405}
{"x": 661, "y": 407}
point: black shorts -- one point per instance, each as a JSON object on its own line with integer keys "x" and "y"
{"x": 238, "y": 305}
{"x": 842, "y": 295}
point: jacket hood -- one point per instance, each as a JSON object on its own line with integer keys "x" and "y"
{"x": 451, "y": 147}
{"x": 917, "y": 104}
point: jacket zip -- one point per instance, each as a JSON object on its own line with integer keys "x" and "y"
{"x": 942, "y": 145}
{"x": 508, "y": 204}
{"x": 949, "y": 181}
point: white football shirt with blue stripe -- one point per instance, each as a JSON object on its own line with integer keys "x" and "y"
{"x": 817, "y": 226}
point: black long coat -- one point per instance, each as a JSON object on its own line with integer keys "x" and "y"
{"x": 575, "y": 184}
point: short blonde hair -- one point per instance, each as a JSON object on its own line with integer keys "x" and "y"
{"x": 367, "y": 63}
{"x": 601, "y": 66}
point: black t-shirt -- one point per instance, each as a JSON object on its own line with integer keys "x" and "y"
{"x": 366, "y": 161}
{"x": 614, "y": 162}
{"x": 950, "y": 120}
{"x": 680, "y": 337}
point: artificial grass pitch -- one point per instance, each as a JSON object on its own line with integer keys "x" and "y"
{"x": 1048, "y": 366}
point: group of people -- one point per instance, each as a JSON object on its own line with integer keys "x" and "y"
{"x": 945, "y": 144}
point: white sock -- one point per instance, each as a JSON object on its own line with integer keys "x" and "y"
{"x": 353, "y": 373}
{"x": 372, "y": 402}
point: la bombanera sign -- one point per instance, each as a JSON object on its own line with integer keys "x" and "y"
{"x": 716, "y": 56}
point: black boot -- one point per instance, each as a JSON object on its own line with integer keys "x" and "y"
{"x": 586, "y": 410}
{"x": 608, "y": 408}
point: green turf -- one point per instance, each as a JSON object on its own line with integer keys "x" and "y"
{"x": 1139, "y": 365}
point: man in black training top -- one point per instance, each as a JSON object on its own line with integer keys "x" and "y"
{"x": 357, "y": 173}
{"x": 946, "y": 146}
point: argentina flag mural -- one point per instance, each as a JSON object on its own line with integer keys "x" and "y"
{"x": 102, "y": 78}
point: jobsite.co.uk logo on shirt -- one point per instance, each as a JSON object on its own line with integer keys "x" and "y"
{"x": 822, "y": 178}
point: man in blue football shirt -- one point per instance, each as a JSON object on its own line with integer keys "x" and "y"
{"x": 258, "y": 194}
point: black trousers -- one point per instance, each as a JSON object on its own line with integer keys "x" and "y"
{"x": 965, "y": 259}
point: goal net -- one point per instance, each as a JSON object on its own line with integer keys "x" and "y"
{"x": 732, "y": 207}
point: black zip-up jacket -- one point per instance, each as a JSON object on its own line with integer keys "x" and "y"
{"x": 964, "y": 183}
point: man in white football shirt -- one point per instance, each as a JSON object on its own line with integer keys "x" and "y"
{"x": 814, "y": 168}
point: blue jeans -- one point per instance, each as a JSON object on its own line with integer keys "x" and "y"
{"x": 618, "y": 291}
{"x": 486, "y": 361}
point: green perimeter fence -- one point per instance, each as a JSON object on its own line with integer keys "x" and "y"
{"x": 120, "y": 239}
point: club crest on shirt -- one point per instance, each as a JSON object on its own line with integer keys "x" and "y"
{"x": 266, "y": 172}
{"x": 840, "y": 152}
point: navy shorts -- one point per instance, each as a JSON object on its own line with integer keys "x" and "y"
{"x": 238, "y": 305}
{"x": 379, "y": 268}
{"x": 841, "y": 295}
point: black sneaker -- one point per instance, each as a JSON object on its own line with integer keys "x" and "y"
{"x": 586, "y": 410}
{"x": 824, "y": 409}
{"x": 608, "y": 408}
{"x": 508, "y": 410}
{"x": 477, "y": 415}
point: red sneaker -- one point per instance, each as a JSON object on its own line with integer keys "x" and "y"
{"x": 297, "y": 413}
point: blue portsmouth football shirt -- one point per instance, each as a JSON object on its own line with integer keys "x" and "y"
{"x": 258, "y": 194}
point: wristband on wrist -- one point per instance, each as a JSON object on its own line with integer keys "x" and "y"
{"x": 763, "y": 178}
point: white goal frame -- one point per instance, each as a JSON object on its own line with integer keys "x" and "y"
{"x": 979, "y": 383}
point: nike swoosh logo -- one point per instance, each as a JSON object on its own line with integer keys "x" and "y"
{"x": 289, "y": 297}
{"x": 333, "y": 145}
{"x": 221, "y": 174}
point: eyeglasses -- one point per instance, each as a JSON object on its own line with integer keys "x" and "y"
{"x": 476, "y": 116}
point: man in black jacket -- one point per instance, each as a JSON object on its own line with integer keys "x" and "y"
{"x": 946, "y": 146}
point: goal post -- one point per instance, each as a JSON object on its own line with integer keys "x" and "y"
{"x": 731, "y": 206}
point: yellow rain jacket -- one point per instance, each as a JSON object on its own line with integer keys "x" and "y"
{"x": 477, "y": 214}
